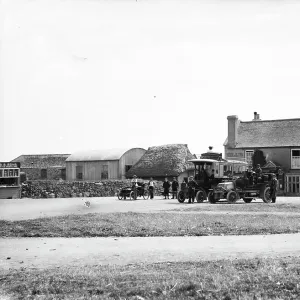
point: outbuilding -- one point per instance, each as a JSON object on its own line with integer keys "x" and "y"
{"x": 94, "y": 165}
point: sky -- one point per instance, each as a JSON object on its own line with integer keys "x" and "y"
{"x": 100, "y": 74}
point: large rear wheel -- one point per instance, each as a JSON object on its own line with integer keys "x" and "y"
{"x": 211, "y": 197}
{"x": 232, "y": 196}
{"x": 266, "y": 196}
{"x": 201, "y": 196}
{"x": 181, "y": 197}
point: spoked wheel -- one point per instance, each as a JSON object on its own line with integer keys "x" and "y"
{"x": 247, "y": 199}
{"x": 120, "y": 195}
{"x": 146, "y": 194}
{"x": 211, "y": 198}
{"x": 201, "y": 196}
{"x": 267, "y": 195}
{"x": 181, "y": 197}
{"x": 132, "y": 195}
{"x": 232, "y": 197}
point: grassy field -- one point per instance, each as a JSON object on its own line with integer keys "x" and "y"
{"x": 227, "y": 280}
{"x": 151, "y": 224}
{"x": 242, "y": 207}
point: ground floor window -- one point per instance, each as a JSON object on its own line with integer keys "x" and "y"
{"x": 79, "y": 172}
{"x": 44, "y": 173}
{"x": 104, "y": 172}
{"x": 127, "y": 168}
{"x": 293, "y": 184}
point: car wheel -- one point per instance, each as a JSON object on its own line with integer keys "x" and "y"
{"x": 120, "y": 195}
{"x": 232, "y": 197}
{"x": 267, "y": 195}
{"x": 146, "y": 194}
{"x": 181, "y": 197}
{"x": 201, "y": 196}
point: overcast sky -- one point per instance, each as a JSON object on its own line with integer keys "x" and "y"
{"x": 86, "y": 74}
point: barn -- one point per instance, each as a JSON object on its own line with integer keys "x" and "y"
{"x": 93, "y": 165}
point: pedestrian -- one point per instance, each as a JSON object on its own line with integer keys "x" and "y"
{"x": 191, "y": 189}
{"x": 175, "y": 186}
{"x": 184, "y": 187}
{"x": 273, "y": 188}
{"x": 166, "y": 186}
{"x": 151, "y": 188}
{"x": 134, "y": 183}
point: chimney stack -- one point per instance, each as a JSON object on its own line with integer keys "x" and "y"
{"x": 256, "y": 117}
{"x": 233, "y": 122}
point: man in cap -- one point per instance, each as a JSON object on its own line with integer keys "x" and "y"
{"x": 273, "y": 188}
{"x": 166, "y": 187}
{"x": 134, "y": 183}
{"x": 175, "y": 186}
{"x": 191, "y": 189}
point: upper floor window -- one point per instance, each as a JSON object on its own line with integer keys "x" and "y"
{"x": 295, "y": 158}
{"x": 248, "y": 156}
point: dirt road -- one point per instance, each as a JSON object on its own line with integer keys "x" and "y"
{"x": 22, "y": 209}
{"x": 60, "y": 252}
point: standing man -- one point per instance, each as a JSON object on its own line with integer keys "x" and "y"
{"x": 192, "y": 186}
{"x": 273, "y": 188}
{"x": 175, "y": 186}
{"x": 151, "y": 188}
{"x": 166, "y": 186}
{"x": 134, "y": 183}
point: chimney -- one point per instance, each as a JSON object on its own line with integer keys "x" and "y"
{"x": 210, "y": 148}
{"x": 256, "y": 117}
{"x": 233, "y": 122}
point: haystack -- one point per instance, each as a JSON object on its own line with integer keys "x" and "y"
{"x": 161, "y": 161}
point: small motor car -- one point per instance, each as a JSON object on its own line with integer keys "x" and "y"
{"x": 128, "y": 192}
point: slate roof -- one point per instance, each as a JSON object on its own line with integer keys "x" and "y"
{"x": 159, "y": 161}
{"x": 269, "y": 133}
{"x": 42, "y": 161}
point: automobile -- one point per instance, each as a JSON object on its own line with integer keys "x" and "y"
{"x": 128, "y": 192}
{"x": 224, "y": 170}
{"x": 243, "y": 188}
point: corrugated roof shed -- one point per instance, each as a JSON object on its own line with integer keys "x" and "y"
{"x": 163, "y": 160}
{"x": 95, "y": 155}
{"x": 269, "y": 133}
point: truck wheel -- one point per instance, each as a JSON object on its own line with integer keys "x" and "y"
{"x": 232, "y": 197}
{"x": 247, "y": 199}
{"x": 132, "y": 195}
{"x": 181, "y": 197}
{"x": 201, "y": 196}
{"x": 266, "y": 196}
{"x": 211, "y": 198}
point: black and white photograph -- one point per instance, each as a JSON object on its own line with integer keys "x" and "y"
{"x": 149, "y": 149}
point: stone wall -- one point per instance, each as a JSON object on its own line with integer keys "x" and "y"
{"x": 35, "y": 173}
{"x": 66, "y": 189}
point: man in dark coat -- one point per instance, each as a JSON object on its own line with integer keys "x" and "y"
{"x": 175, "y": 186}
{"x": 273, "y": 188}
{"x": 192, "y": 186}
{"x": 166, "y": 186}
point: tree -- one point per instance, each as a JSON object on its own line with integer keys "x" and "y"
{"x": 258, "y": 158}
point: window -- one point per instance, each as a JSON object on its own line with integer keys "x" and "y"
{"x": 63, "y": 174}
{"x": 79, "y": 174}
{"x": 127, "y": 168}
{"x": 295, "y": 155}
{"x": 293, "y": 184}
{"x": 104, "y": 172}
{"x": 248, "y": 156}
{"x": 43, "y": 173}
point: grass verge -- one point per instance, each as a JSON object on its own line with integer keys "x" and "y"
{"x": 147, "y": 224}
{"x": 226, "y": 280}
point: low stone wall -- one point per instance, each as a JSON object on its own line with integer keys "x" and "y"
{"x": 65, "y": 189}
